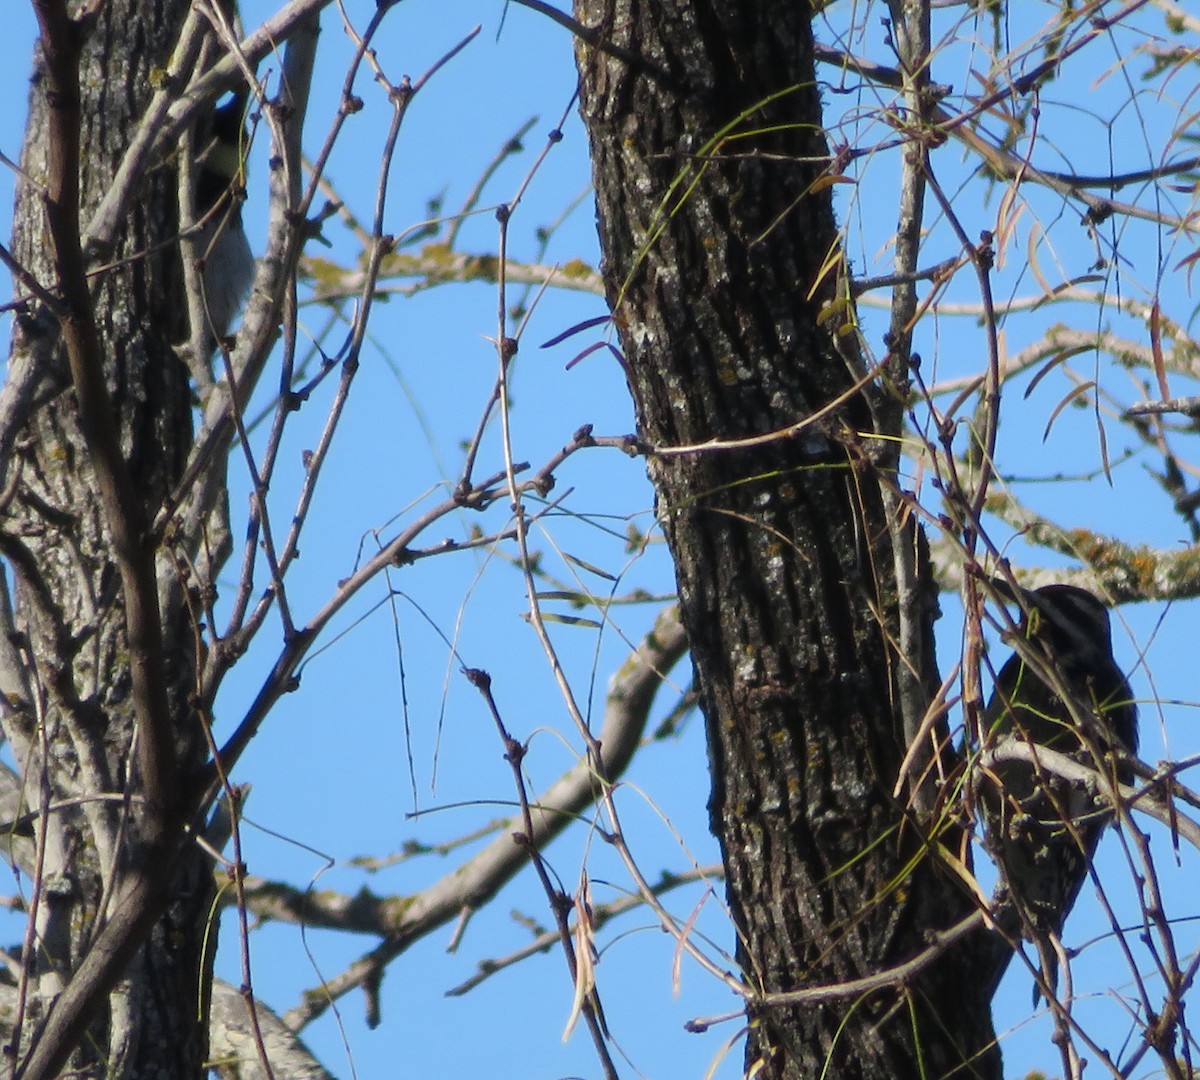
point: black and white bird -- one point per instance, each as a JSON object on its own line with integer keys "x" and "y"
{"x": 221, "y": 242}
{"x": 1062, "y": 690}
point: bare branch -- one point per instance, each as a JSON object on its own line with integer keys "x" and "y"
{"x": 234, "y": 1044}
{"x": 472, "y": 884}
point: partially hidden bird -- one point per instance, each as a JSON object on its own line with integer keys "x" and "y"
{"x": 1061, "y": 690}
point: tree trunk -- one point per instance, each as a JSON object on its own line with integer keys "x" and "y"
{"x": 70, "y": 717}
{"x": 705, "y": 129}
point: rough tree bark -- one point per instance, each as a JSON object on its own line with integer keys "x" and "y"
{"x": 719, "y": 252}
{"x": 72, "y": 685}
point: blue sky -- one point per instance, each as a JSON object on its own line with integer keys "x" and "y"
{"x": 331, "y": 770}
